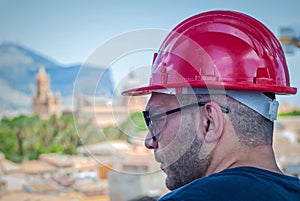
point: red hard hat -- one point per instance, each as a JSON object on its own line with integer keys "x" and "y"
{"x": 219, "y": 50}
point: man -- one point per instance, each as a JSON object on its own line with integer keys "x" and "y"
{"x": 212, "y": 110}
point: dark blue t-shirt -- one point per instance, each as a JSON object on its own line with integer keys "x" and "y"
{"x": 239, "y": 184}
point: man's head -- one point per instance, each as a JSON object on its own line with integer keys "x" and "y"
{"x": 213, "y": 86}
{"x": 187, "y": 140}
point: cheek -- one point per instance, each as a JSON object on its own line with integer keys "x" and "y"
{"x": 170, "y": 131}
{"x": 180, "y": 130}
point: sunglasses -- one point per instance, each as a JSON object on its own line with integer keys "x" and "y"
{"x": 156, "y": 117}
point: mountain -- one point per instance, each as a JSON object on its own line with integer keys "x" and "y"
{"x": 19, "y": 66}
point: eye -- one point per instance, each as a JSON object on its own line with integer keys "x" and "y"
{"x": 158, "y": 117}
{"x": 156, "y": 113}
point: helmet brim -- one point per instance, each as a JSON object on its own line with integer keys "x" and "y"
{"x": 226, "y": 86}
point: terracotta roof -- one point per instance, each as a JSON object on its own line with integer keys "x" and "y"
{"x": 83, "y": 163}
{"x": 23, "y": 196}
{"x": 56, "y": 159}
{"x": 36, "y": 167}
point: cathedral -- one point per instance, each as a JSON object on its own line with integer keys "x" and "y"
{"x": 45, "y": 103}
{"x": 114, "y": 110}
{"x": 105, "y": 111}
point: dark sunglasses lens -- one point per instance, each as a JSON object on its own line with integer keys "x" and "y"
{"x": 158, "y": 119}
{"x": 146, "y": 117}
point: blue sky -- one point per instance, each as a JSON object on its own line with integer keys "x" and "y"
{"x": 68, "y": 31}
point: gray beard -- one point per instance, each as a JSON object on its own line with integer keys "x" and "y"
{"x": 186, "y": 157}
{"x": 189, "y": 167}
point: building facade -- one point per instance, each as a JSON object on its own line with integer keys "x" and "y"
{"x": 45, "y": 103}
{"x": 114, "y": 110}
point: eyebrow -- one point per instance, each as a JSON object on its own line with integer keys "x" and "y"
{"x": 148, "y": 108}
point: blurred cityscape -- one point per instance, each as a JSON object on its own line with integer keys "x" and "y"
{"x": 114, "y": 170}
{"x": 105, "y": 170}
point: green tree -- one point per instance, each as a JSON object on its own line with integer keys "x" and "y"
{"x": 20, "y": 128}
{"x": 292, "y": 113}
{"x": 133, "y": 126}
{"x": 8, "y": 145}
{"x": 26, "y": 137}
{"x": 88, "y": 132}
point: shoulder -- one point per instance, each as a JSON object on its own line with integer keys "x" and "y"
{"x": 244, "y": 183}
{"x": 199, "y": 189}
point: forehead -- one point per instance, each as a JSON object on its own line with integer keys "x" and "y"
{"x": 161, "y": 99}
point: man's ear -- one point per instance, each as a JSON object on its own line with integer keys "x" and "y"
{"x": 212, "y": 122}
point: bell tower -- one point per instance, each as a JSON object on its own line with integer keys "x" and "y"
{"x": 42, "y": 82}
{"x": 44, "y": 103}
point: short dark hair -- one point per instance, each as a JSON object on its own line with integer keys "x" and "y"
{"x": 252, "y": 128}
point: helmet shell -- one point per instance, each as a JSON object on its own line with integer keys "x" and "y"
{"x": 219, "y": 50}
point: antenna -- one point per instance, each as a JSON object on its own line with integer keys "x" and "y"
{"x": 289, "y": 39}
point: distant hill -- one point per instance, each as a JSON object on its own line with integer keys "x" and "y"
{"x": 19, "y": 66}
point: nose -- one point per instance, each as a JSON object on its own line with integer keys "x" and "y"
{"x": 150, "y": 143}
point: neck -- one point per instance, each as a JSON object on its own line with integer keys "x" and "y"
{"x": 260, "y": 157}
